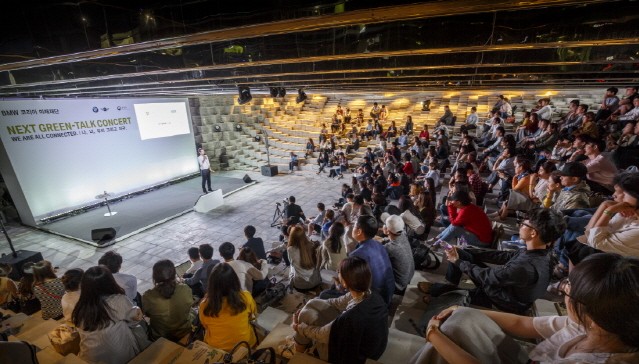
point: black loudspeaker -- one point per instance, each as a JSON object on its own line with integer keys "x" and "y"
{"x": 269, "y": 171}
{"x": 247, "y": 179}
{"x": 16, "y": 263}
{"x": 102, "y": 235}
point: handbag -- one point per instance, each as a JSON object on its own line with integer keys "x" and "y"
{"x": 65, "y": 340}
{"x": 274, "y": 293}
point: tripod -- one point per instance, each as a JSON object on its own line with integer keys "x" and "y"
{"x": 278, "y": 215}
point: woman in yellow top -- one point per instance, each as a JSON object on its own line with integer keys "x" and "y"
{"x": 519, "y": 198}
{"x": 226, "y": 311}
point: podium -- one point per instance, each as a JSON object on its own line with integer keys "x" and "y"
{"x": 209, "y": 201}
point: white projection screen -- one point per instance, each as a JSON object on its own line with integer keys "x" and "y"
{"x": 65, "y": 152}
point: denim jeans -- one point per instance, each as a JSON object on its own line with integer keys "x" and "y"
{"x": 452, "y": 232}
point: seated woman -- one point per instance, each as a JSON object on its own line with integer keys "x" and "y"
{"x": 49, "y": 289}
{"x": 411, "y": 217}
{"x": 248, "y": 255}
{"x": 226, "y": 311}
{"x": 168, "y": 303}
{"x": 71, "y": 280}
{"x": 333, "y": 249}
{"x": 304, "y": 273}
{"x": 519, "y": 197}
{"x": 601, "y": 325}
{"x": 614, "y": 227}
{"x": 347, "y": 329}
{"x": 467, "y": 220}
{"x": 103, "y": 316}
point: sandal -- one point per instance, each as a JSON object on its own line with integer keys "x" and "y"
{"x": 424, "y": 287}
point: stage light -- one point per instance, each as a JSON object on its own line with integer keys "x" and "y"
{"x": 217, "y": 128}
{"x": 301, "y": 96}
{"x": 245, "y": 95}
{"x": 426, "y": 105}
{"x": 238, "y": 127}
{"x": 274, "y": 91}
{"x": 257, "y": 138}
{"x": 281, "y": 92}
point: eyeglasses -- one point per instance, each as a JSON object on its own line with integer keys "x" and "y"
{"x": 527, "y": 225}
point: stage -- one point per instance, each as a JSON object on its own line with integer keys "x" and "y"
{"x": 141, "y": 212}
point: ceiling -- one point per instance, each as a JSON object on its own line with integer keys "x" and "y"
{"x": 198, "y": 47}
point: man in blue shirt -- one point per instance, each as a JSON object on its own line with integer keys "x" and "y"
{"x": 375, "y": 254}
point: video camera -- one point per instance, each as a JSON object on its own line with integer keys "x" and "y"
{"x": 285, "y": 201}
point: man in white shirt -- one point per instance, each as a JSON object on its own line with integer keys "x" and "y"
{"x": 113, "y": 261}
{"x": 471, "y": 120}
{"x": 205, "y": 170}
{"x": 196, "y": 262}
{"x": 245, "y": 271}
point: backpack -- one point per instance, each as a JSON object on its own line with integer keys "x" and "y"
{"x": 425, "y": 258}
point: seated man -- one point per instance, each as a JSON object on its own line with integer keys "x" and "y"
{"x": 467, "y": 220}
{"x": 196, "y": 262}
{"x": 375, "y": 255}
{"x": 246, "y": 272}
{"x": 315, "y": 223}
{"x": 113, "y": 261}
{"x": 521, "y": 277}
{"x": 471, "y": 120}
{"x": 256, "y": 244}
{"x": 198, "y": 282}
{"x": 294, "y": 215}
{"x": 575, "y": 191}
{"x": 399, "y": 252}
{"x": 447, "y": 118}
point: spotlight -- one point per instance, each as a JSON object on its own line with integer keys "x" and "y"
{"x": 274, "y": 91}
{"x": 238, "y": 127}
{"x": 245, "y": 95}
{"x": 281, "y": 92}
{"x": 301, "y": 96}
{"x": 257, "y": 138}
{"x": 217, "y": 128}
{"x": 426, "y": 105}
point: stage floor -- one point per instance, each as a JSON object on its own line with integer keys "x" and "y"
{"x": 141, "y": 212}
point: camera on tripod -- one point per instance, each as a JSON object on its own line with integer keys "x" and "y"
{"x": 284, "y": 201}
{"x": 280, "y": 214}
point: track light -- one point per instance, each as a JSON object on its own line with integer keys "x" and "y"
{"x": 238, "y": 127}
{"x": 281, "y": 92}
{"x": 217, "y": 128}
{"x": 274, "y": 91}
{"x": 301, "y": 96}
{"x": 245, "y": 95}
{"x": 257, "y": 138}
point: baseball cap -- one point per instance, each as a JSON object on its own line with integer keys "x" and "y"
{"x": 394, "y": 224}
{"x": 574, "y": 169}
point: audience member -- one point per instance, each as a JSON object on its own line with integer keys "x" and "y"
{"x": 245, "y": 271}
{"x": 333, "y": 249}
{"x": 600, "y": 325}
{"x": 49, "y": 289}
{"x": 71, "y": 280}
{"x": 196, "y": 262}
{"x": 348, "y": 329}
{"x": 113, "y": 261}
{"x": 103, "y": 316}
{"x": 256, "y": 244}
{"x": 399, "y": 252}
{"x": 199, "y": 281}
{"x": 304, "y": 274}
{"x": 467, "y": 220}
{"x": 8, "y": 288}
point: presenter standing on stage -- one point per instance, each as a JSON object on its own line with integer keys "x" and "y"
{"x": 205, "y": 170}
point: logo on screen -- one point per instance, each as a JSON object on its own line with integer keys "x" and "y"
{"x": 95, "y": 109}
{"x": 105, "y": 108}
{"x": 121, "y": 108}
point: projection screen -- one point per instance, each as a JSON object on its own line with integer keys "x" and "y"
{"x": 63, "y": 153}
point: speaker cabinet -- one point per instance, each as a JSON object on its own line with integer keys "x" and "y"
{"x": 102, "y": 235}
{"x": 16, "y": 263}
{"x": 269, "y": 171}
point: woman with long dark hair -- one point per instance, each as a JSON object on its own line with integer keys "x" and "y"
{"x": 103, "y": 315}
{"x": 49, "y": 289}
{"x": 333, "y": 249}
{"x": 301, "y": 251}
{"x": 226, "y": 311}
{"x": 248, "y": 255}
{"x": 168, "y": 303}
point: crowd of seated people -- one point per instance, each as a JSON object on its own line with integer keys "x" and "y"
{"x": 566, "y": 179}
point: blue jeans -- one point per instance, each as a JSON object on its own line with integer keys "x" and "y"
{"x": 576, "y": 221}
{"x": 452, "y": 232}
